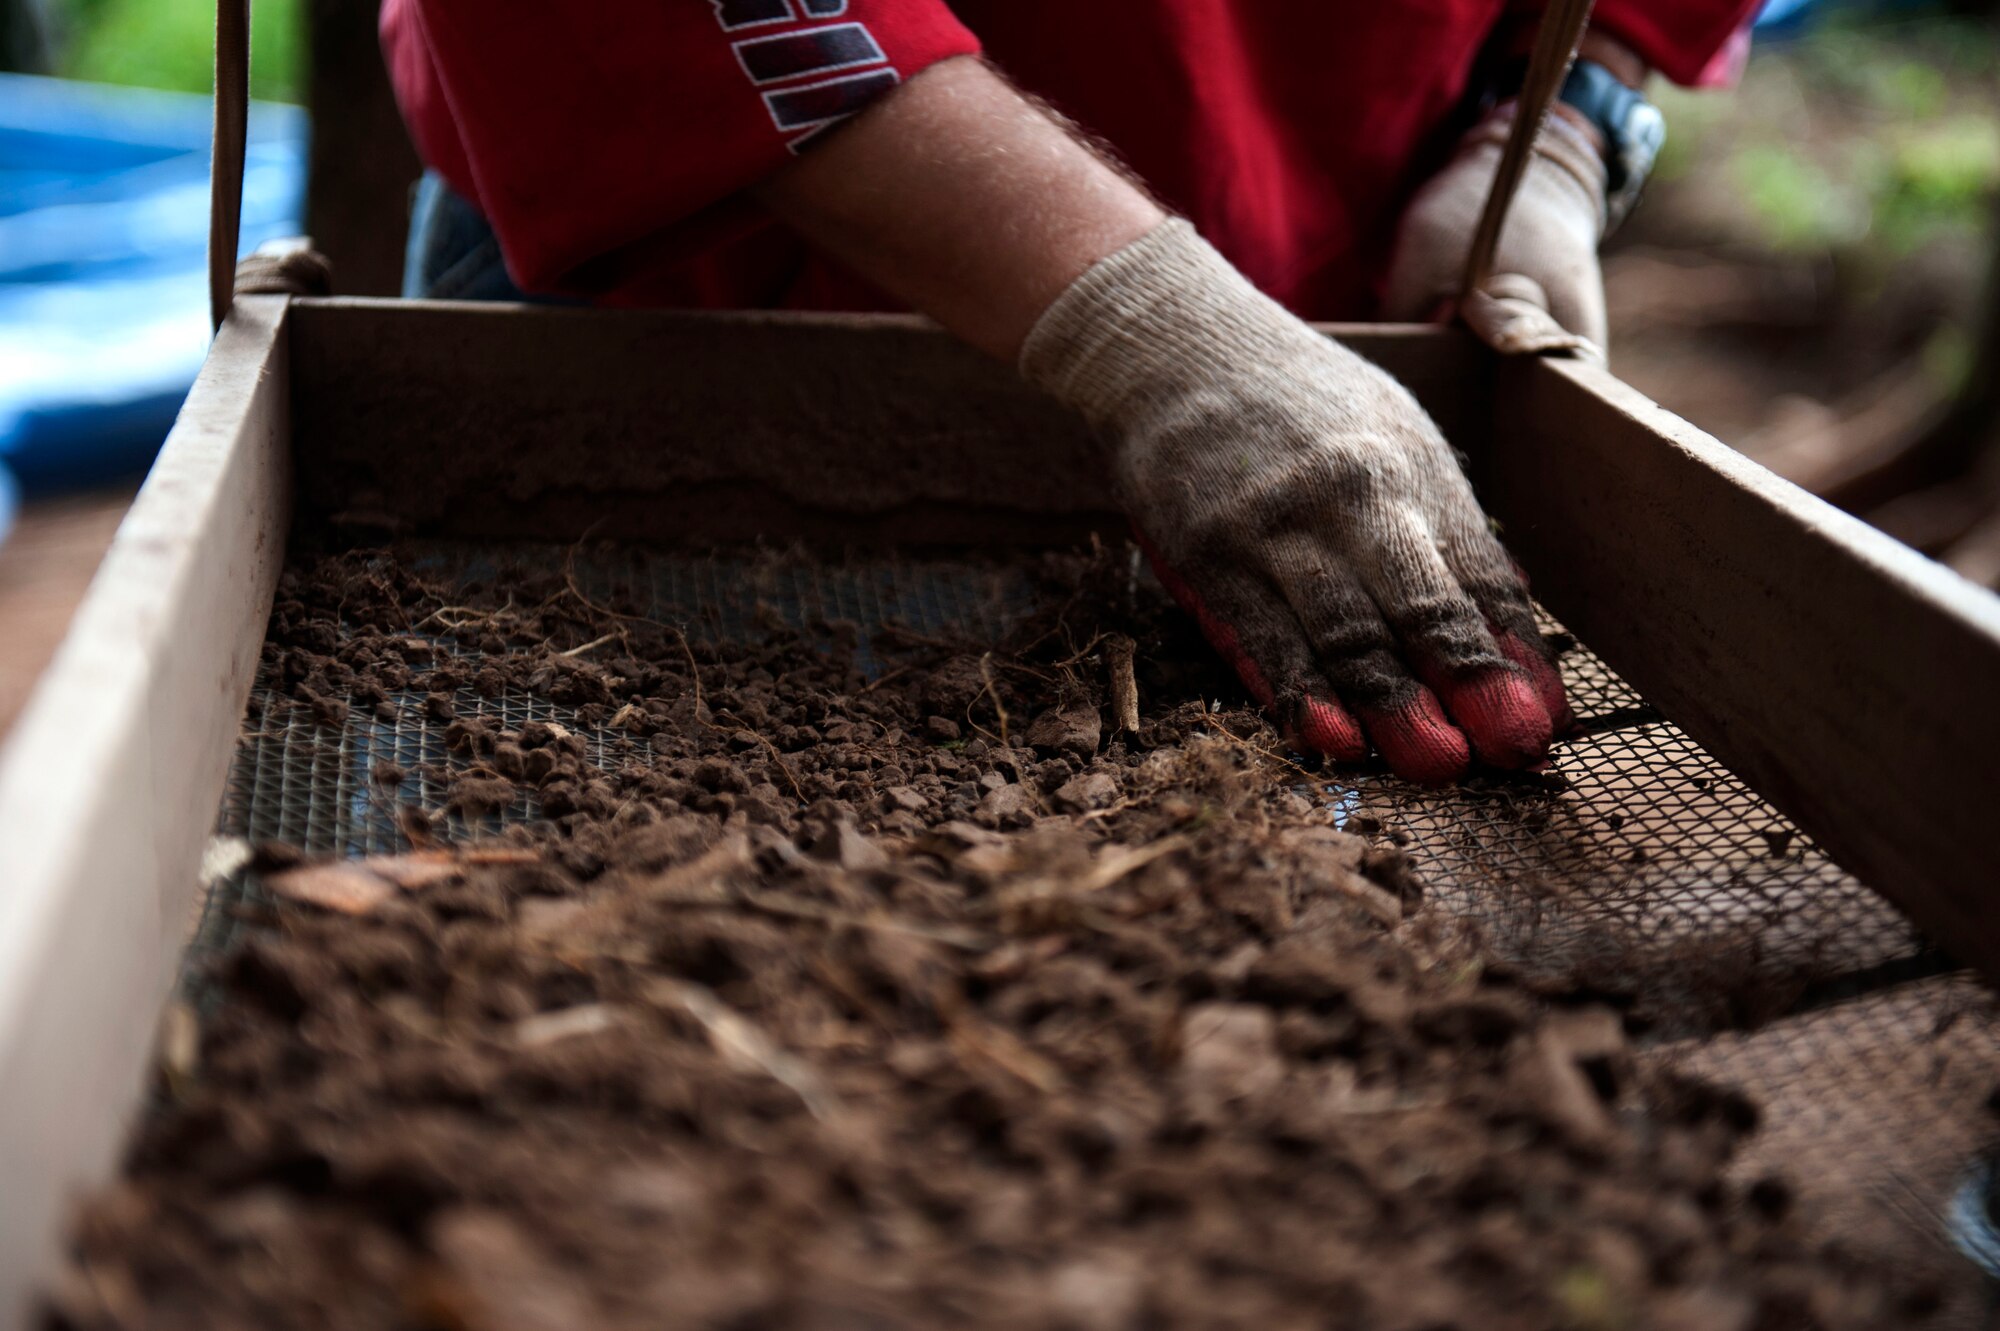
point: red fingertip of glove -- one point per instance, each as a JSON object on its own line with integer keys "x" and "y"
{"x": 1419, "y": 743}
{"x": 1325, "y": 727}
{"x": 1504, "y": 714}
{"x": 1546, "y": 678}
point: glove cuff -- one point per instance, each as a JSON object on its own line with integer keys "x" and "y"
{"x": 1133, "y": 327}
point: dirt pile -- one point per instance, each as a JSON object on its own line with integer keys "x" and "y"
{"x": 934, "y": 1000}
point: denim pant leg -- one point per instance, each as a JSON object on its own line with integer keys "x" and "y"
{"x": 453, "y": 253}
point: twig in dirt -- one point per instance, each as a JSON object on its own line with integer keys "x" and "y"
{"x": 996, "y": 1044}
{"x": 743, "y": 1044}
{"x": 880, "y": 680}
{"x": 570, "y": 582}
{"x": 777, "y": 758}
{"x": 781, "y": 903}
{"x": 465, "y": 616}
{"x": 594, "y": 643}
{"x": 1080, "y": 652}
{"x": 1259, "y": 749}
{"x": 694, "y": 669}
{"x": 1118, "y": 650}
{"x": 1020, "y": 669}
{"x": 999, "y": 708}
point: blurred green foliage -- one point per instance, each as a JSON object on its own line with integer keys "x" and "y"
{"x": 1862, "y": 140}
{"x": 1800, "y": 205}
{"x": 171, "y": 44}
{"x": 1934, "y": 175}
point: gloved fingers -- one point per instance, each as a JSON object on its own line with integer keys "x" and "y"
{"x": 1499, "y": 588}
{"x": 1576, "y": 302}
{"x": 1252, "y": 629}
{"x": 1567, "y": 283}
{"x": 1531, "y": 654}
{"x": 1427, "y": 264}
{"x": 1356, "y": 649}
{"x": 1510, "y": 313}
{"x": 1511, "y": 621}
{"x": 1444, "y": 636}
{"x": 1550, "y": 297}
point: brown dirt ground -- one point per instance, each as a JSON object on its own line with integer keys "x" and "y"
{"x": 928, "y": 1001}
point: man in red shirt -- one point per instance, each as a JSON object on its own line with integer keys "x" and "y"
{"x": 1298, "y": 159}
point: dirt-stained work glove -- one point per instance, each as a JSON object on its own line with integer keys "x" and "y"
{"x": 1303, "y": 507}
{"x": 1547, "y": 259}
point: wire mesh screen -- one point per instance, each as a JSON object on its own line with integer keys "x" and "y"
{"x": 1642, "y": 867}
{"x": 1637, "y": 868}
{"x": 314, "y": 787}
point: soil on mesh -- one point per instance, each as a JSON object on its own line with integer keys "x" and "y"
{"x": 931, "y": 999}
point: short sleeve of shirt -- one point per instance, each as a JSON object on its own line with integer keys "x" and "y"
{"x": 586, "y": 131}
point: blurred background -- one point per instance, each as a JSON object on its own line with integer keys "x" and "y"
{"x": 104, "y": 144}
{"x": 1811, "y": 277}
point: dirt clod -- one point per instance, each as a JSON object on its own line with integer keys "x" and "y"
{"x": 1072, "y": 729}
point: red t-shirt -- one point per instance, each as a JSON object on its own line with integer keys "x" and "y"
{"x": 610, "y": 145}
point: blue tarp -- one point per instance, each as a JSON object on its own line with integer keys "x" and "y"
{"x": 1782, "y": 14}
{"x": 103, "y": 268}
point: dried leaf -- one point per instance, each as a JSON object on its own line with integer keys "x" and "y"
{"x": 742, "y": 1043}
{"x": 342, "y": 885}
{"x": 701, "y": 880}
{"x": 1119, "y": 861}
{"x": 417, "y": 870}
{"x": 563, "y": 1023}
{"x": 180, "y": 1044}
{"x": 499, "y": 855}
{"x": 1002, "y": 1048}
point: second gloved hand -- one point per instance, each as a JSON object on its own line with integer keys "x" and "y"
{"x": 1303, "y": 507}
{"x": 1547, "y": 257}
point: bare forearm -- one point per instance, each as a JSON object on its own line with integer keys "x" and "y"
{"x": 964, "y": 199}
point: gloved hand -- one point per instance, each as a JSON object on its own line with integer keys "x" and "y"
{"x": 1303, "y": 507}
{"x": 1547, "y": 257}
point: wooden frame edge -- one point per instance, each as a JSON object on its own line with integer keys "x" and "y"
{"x": 704, "y": 427}
{"x": 110, "y": 780}
{"x": 1845, "y": 677}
